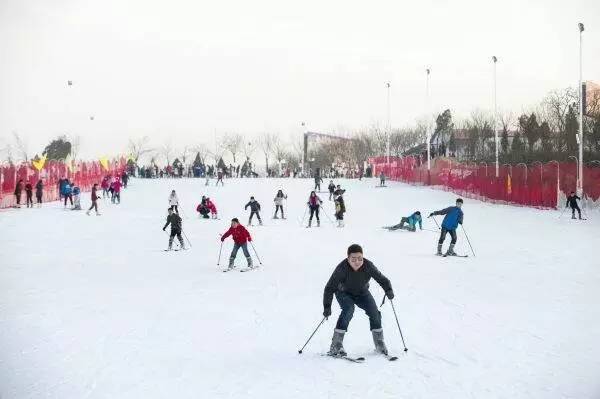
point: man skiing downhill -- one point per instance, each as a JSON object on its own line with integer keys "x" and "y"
{"x": 175, "y": 221}
{"x": 254, "y": 210}
{"x": 412, "y": 221}
{"x": 454, "y": 217}
{"x": 241, "y": 236}
{"x": 350, "y": 285}
{"x": 572, "y": 203}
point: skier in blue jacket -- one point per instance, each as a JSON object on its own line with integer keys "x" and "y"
{"x": 412, "y": 221}
{"x": 454, "y": 217}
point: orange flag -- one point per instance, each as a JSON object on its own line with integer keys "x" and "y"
{"x": 508, "y": 184}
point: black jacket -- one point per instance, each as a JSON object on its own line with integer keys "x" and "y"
{"x": 174, "y": 220}
{"x": 254, "y": 206}
{"x": 345, "y": 279}
{"x": 572, "y": 201}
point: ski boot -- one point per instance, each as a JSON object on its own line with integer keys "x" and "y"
{"x": 378, "y": 341}
{"x": 249, "y": 260}
{"x": 231, "y": 265}
{"x": 87, "y": 213}
{"x": 450, "y": 251}
{"x": 337, "y": 343}
{"x": 275, "y": 216}
{"x": 318, "y": 223}
{"x": 309, "y": 223}
{"x": 439, "y": 251}
{"x": 260, "y": 222}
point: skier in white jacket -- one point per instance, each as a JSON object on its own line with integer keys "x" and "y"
{"x": 174, "y": 201}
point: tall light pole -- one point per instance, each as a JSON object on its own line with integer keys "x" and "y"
{"x": 387, "y": 151}
{"x": 580, "y": 89}
{"x": 428, "y": 127}
{"x": 495, "y": 60}
{"x": 304, "y": 131}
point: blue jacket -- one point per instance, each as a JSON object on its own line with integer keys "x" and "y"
{"x": 454, "y": 217}
{"x": 76, "y": 190}
{"x": 414, "y": 219}
{"x": 67, "y": 189}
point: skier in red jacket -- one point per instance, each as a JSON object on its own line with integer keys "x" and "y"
{"x": 213, "y": 209}
{"x": 241, "y": 236}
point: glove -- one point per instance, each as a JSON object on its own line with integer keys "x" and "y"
{"x": 327, "y": 312}
{"x": 163, "y": 229}
{"x": 389, "y": 294}
{"x": 222, "y": 239}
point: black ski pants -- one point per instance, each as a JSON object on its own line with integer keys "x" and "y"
{"x": 573, "y": 209}
{"x": 252, "y": 213}
{"x": 364, "y": 301}
{"x": 277, "y": 208}
{"x": 314, "y": 210}
{"x": 175, "y": 232}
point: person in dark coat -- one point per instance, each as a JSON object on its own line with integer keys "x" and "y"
{"x": 254, "y": 210}
{"x": 94, "y": 198}
{"x": 349, "y": 282}
{"x": 572, "y": 203}
{"x": 175, "y": 221}
{"x": 39, "y": 192}
{"x": 29, "y": 193}
{"x": 18, "y": 191}
{"x": 314, "y": 203}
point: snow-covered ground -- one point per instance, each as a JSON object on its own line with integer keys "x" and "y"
{"x": 91, "y": 307}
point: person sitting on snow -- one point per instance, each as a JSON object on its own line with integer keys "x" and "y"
{"x": 211, "y": 206}
{"x": 412, "y": 221}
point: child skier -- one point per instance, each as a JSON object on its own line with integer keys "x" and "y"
{"x": 94, "y": 200}
{"x": 254, "y": 210}
{"x": 350, "y": 284}
{"x": 29, "y": 194}
{"x": 340, "y": 209}
{"x": 220, "y": 178}
{"x": 175, "y": 221}
{"x": 331, "y": 188}
{"x": 117, "y": 190}
{"x": 241, "y": 236}
{"x": 278, "y": 200}
{"x": 314, "y": 202}
{"x": 412, "y": 221}
{"x": 338, "y": 191}
{"x": 39, "y": 192}
{"x": 454, "y": 217}
{"x": 76, "y": 199}
{"x": 213, "y": 209}
{"x": 572, "y": 203}
{"x": 382, "y": 179}
{"x": 174, "y": 201}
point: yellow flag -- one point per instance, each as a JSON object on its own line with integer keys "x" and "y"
{"x": 39, "y": 164}
{"x": 508, "y": 184}
{"x": 104, "y": 163}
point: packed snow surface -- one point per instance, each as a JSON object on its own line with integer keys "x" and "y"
{"x": 92, "y": 307}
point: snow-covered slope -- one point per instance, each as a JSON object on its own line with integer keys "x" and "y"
{"x": 91, "y": 307}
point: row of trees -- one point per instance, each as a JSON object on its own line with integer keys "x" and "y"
{"x": 544, "y": 132}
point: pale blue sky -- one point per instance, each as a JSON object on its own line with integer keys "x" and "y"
{"x": 184, "y": 68}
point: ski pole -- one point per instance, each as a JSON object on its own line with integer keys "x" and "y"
{"x": 304, "y": 217}
{"x": 311, "y": 335}
{"x": 465, "y": 231}
{"x": 256, "y": 253}
{"x": 398, "y": 323}
{"x": 220, "y": 249}
{"x": 186, "y": 237}
{"x": 325, "y": 212}
{"x": 436, "y": 223}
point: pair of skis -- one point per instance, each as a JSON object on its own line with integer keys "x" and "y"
{"x": 360, "y": 359}
{"x": 247, "y": 269}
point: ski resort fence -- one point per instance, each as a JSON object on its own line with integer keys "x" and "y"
{"x": 83, "y": 174}
{"x": 540, "y": 185}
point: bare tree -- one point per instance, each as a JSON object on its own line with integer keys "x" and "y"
{"x": 6, "y": 151}
{"x": 75, "y": 146}
{"x": 233, "y": 143}
{"x": 21, "y": 147}
{"x": 266, "y": 142}
{"x": 555, "y": 106}
{"x": 138, "y": 147}
{"x": 166, "y": 150}
{"x": 248, "y": 149}
{"x": 185, "y": 151}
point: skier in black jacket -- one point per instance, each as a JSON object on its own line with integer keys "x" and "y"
{"x": 254, "y": 210}
{"x": 572, "y": 203}
{"x": 331, "y": 189}
{"x": 175, "y": 221}
{"x": 350, "y": 284}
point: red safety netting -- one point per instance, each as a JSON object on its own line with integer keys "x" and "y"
{"x": 83, "y": 174}
{"x": 537, "y": 185}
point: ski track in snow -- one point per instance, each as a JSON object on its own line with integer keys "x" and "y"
{"x": 91, "y": 307}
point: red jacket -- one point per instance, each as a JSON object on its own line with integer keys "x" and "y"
{"x": 211, "y": 206}
{"x": 240, "y": 234}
